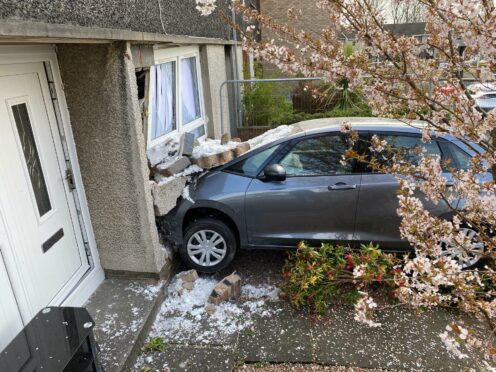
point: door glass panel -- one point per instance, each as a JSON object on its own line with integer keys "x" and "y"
{"x": 23, "y": 124}
{"x": 317, "y": 156}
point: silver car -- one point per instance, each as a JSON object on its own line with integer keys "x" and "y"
{"x": 297, "y": 188}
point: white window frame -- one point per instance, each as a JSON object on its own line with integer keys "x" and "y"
{"x": 176, "y": 55}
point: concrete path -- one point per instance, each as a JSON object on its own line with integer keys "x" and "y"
{"x": 123, "y": 311}
{"x": 408, "y": 340}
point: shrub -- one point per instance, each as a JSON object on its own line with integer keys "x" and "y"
{"x": 265, "y": 103}
{"x": 314, "y": 277}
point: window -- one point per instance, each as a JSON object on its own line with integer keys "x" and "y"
{"x": 458, "y": 158}
{"x": 411, "y": 146}
{"x": 317, "y": 156}
{"x": 190, "y": 94}
{"x": 164, "y": 113}
{"x": 175, "y": 96}
{"x": 251, "y": 165}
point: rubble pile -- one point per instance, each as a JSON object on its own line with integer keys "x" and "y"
{"x": 180, "y": 160}
{"x": 176, "y": 162}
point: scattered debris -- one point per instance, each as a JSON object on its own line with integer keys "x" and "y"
{"x": 188, "y": 172}
{"x": 164, "y": 152}
{"x": 188, "y": 286}
{"x": 210, "y": 308}
{"x": 271, "y": 135}
{"x": 264, "y": 291}
{"x": 209, "y": 146}
{"x": 185, "y": 281}
{"x": 188, "y": 317}
{"x": 149, "y": 291}
{"x": 186, "y": 195}
{"x": 189, "y": 276}
{"x": 227, "y": 289}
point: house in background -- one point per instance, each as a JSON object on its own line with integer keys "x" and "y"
{"x": 86, "y": 88}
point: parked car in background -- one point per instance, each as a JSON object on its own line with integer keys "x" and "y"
{"x": 484, "y": 95}
{"x": 297, "y": 188}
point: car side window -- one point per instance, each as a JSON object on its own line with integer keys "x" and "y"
{"x": 251, "y": 165}
{"x": 458, "y": 158}
{"x": 410, "y": 147}
{"x": 317, "y": 156}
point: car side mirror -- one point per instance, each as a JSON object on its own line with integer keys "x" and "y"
{"x": 274, "y": 172}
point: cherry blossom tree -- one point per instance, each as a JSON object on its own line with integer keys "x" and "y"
{"x": 399, "y": 82}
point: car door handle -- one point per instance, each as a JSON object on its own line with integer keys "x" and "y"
{"x": 342, "y": 186}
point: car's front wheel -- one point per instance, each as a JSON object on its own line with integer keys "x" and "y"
{"x": 209, "y": 245}
{"x": 467, "y": 257}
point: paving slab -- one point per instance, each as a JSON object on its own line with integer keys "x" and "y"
{"x": 123, "y": 310}
{"x": 284, "y": 337}
{"x": 407, "y": 340}
{"x": 188, "y": 358}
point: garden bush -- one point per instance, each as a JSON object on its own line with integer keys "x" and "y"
{"x": 314, "y": 278}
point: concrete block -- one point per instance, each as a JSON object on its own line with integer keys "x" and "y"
{"x": 234, "y": 282}
{"x": 220, "y": 293}
{"x": 241, "y": 149}
{"x": 189, "y": 276}
{"x": 228, "y": 288}
{"x": 173, "y": 167}
{"x": 165, "y": 195}
{"x": 225, "y": 138}
{"x": 215, "y": 160}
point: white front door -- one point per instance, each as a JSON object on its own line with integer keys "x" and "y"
{"x": 41, "y": 247}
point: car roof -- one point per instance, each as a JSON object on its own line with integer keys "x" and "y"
{"x": 325, "y": 125}
{"x": 357, "y": 123}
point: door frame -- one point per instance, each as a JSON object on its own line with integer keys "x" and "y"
{"x": 15, "y": 54}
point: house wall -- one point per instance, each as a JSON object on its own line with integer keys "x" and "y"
{"x": 214, "y": 73}
{"x": 176, "y": 17}
{"x": 311, "y": 19}
{"x": 101, "y": 93}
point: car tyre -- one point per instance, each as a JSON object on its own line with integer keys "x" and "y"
{"x": 209, "y": 245}
{"x": 467, "y": 260}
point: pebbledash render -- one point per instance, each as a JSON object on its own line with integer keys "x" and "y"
{"x": 90, "y": 90}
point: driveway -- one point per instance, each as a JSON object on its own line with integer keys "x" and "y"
{"x": 259, "y": 328}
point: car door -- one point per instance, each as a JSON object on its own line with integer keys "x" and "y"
{"x": 377, "y": 218}
{"x": 316, "y": 202}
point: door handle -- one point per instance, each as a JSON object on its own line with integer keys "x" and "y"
{"x": 341, "y": 186}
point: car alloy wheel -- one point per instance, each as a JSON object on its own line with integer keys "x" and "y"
{"x": 206, "y": 248}
{"x": 466, "y": 257}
